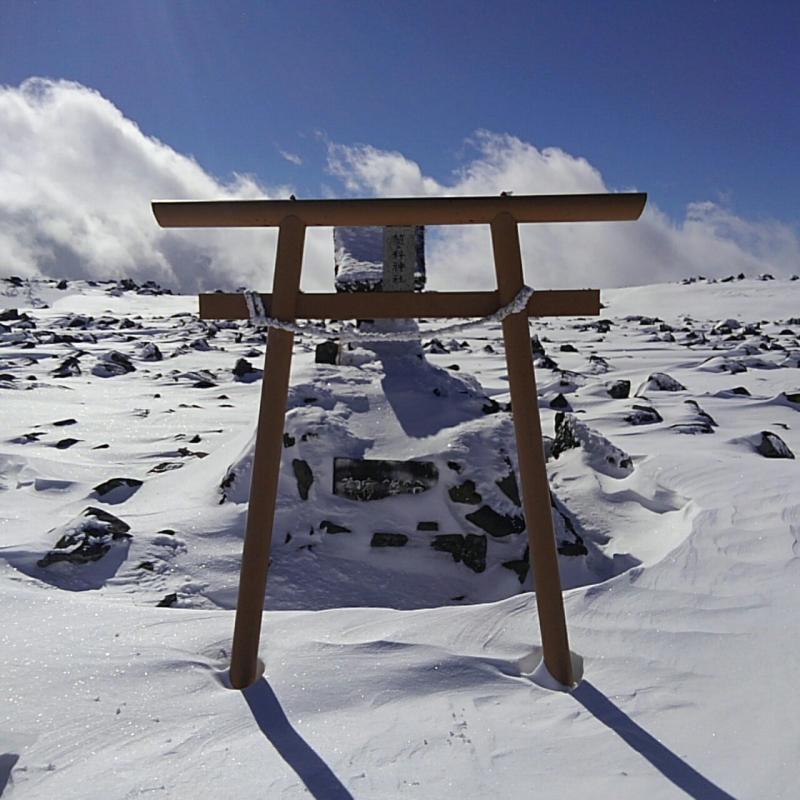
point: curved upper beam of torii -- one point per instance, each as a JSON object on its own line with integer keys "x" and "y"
{"x": 400, "y": 211}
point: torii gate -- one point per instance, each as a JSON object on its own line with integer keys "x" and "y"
{"x": 288, "y": 303}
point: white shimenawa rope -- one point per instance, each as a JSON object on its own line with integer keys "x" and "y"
{"x": 258, "y": 316}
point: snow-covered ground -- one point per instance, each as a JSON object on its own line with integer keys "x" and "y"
{"x": 406, "y": 670}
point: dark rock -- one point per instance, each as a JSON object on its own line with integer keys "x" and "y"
{"x": 204, "y": 384}
{"x": 435, "y": 347}
{"x": 643, "y": 415}
{"x": 545, "y": 362}
{"x": 60, "y": 423}
{"x": 148, "y": 566}
{"x": 245, "y": 372}
{"x": 69, "y": 368}
{"x": 331, "y": 527}
{"x": 792, "y": 397}
{"x": 456, "y": 368}
{"x": 63, "y": 444}
{"x": 772, "y": 446}
{"x": 116, "y": 527}
{"x": 508, "y": 486}
{"x": 326, "y": 352}
{"x": 61, "y": 285}
{"x": 692, "y": 428}
{"x": 474, "y": 554}
{"x": 185, "y": 452}
{"x": 733, "y": 366}
{"x": 168, "y": 601}
{"x": 495, "y": 524}
{"x": 200, "y": 344}
{"x": 112, "y": 364}
{"x": 469, "y": 549}
{"x": 740, "y": 390}
{"x": 9, "y": 314}
{"x": 427, "y": 526}
{"x": 702, "y": 423}
{"x": 660, "y": 381}
{"x": 465, "y": 493}
{"x": 166, "y": 466}
{"x": 491, "y": 406}
{"x": 288, "y": 441}
{"x": 88, "y": 539}
{"x": 574, "y": 548}
{"x": 619, "y": 390}
{"x": 388, "y": 540}
{"x": 537, "y": 348}
{"x": 27, "y": 438}
{"x": 303, "y": 476}
{"x": 117, "y": 490}
{"x": 567, "y": 547}
{"x": 561, "y": 403}
{"x": 565, "y": 438}
{"x": 598, "y": 365}
{"x": 455, "y": 466}
{"x": 452, "y": 543}
{"x": 150, "y": 352}
{"x": 520, "y": 566}
{"x": 568, "y": 348}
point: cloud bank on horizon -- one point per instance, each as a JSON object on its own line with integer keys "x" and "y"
{"x": 77, "y": 178}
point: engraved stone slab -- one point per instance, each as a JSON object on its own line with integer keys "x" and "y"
{"x": 399, "y": 258}
{"x": 373, "y": 479}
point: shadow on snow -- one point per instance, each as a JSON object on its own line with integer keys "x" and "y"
{"x": 664, "y": 760}
{"x": 315, "y": 774}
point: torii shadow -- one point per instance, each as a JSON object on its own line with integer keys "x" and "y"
{"x": 315, "y": 774}
{"x": 664, "y": 760}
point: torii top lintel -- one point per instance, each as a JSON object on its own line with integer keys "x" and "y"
{"x": 400, "y": 211}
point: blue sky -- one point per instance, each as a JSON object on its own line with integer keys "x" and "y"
{"x": 696, "y": 103}
{"x": 687, "y": 100}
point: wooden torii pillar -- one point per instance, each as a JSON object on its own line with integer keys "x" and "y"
{"x": 288, "y": 303}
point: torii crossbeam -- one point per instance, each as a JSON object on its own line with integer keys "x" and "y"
{"x": 288, "y": 303}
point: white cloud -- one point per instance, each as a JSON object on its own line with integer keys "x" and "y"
{"x": 77, "y": 178}
{"x": 292, "y": 158}
{"x": 365, "y": 169}
{"x": 76, "y": 181}
{"x": 711, "y": 240}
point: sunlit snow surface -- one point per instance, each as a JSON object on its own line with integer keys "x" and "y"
{"x": 684, "y": 612}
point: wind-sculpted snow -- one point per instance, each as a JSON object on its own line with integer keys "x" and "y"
{"x": 402, "y": 665}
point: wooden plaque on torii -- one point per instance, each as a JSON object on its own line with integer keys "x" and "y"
{"x": 288, "y": 303}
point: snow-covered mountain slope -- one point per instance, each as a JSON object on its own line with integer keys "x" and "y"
{"x": 400, "y": 670}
